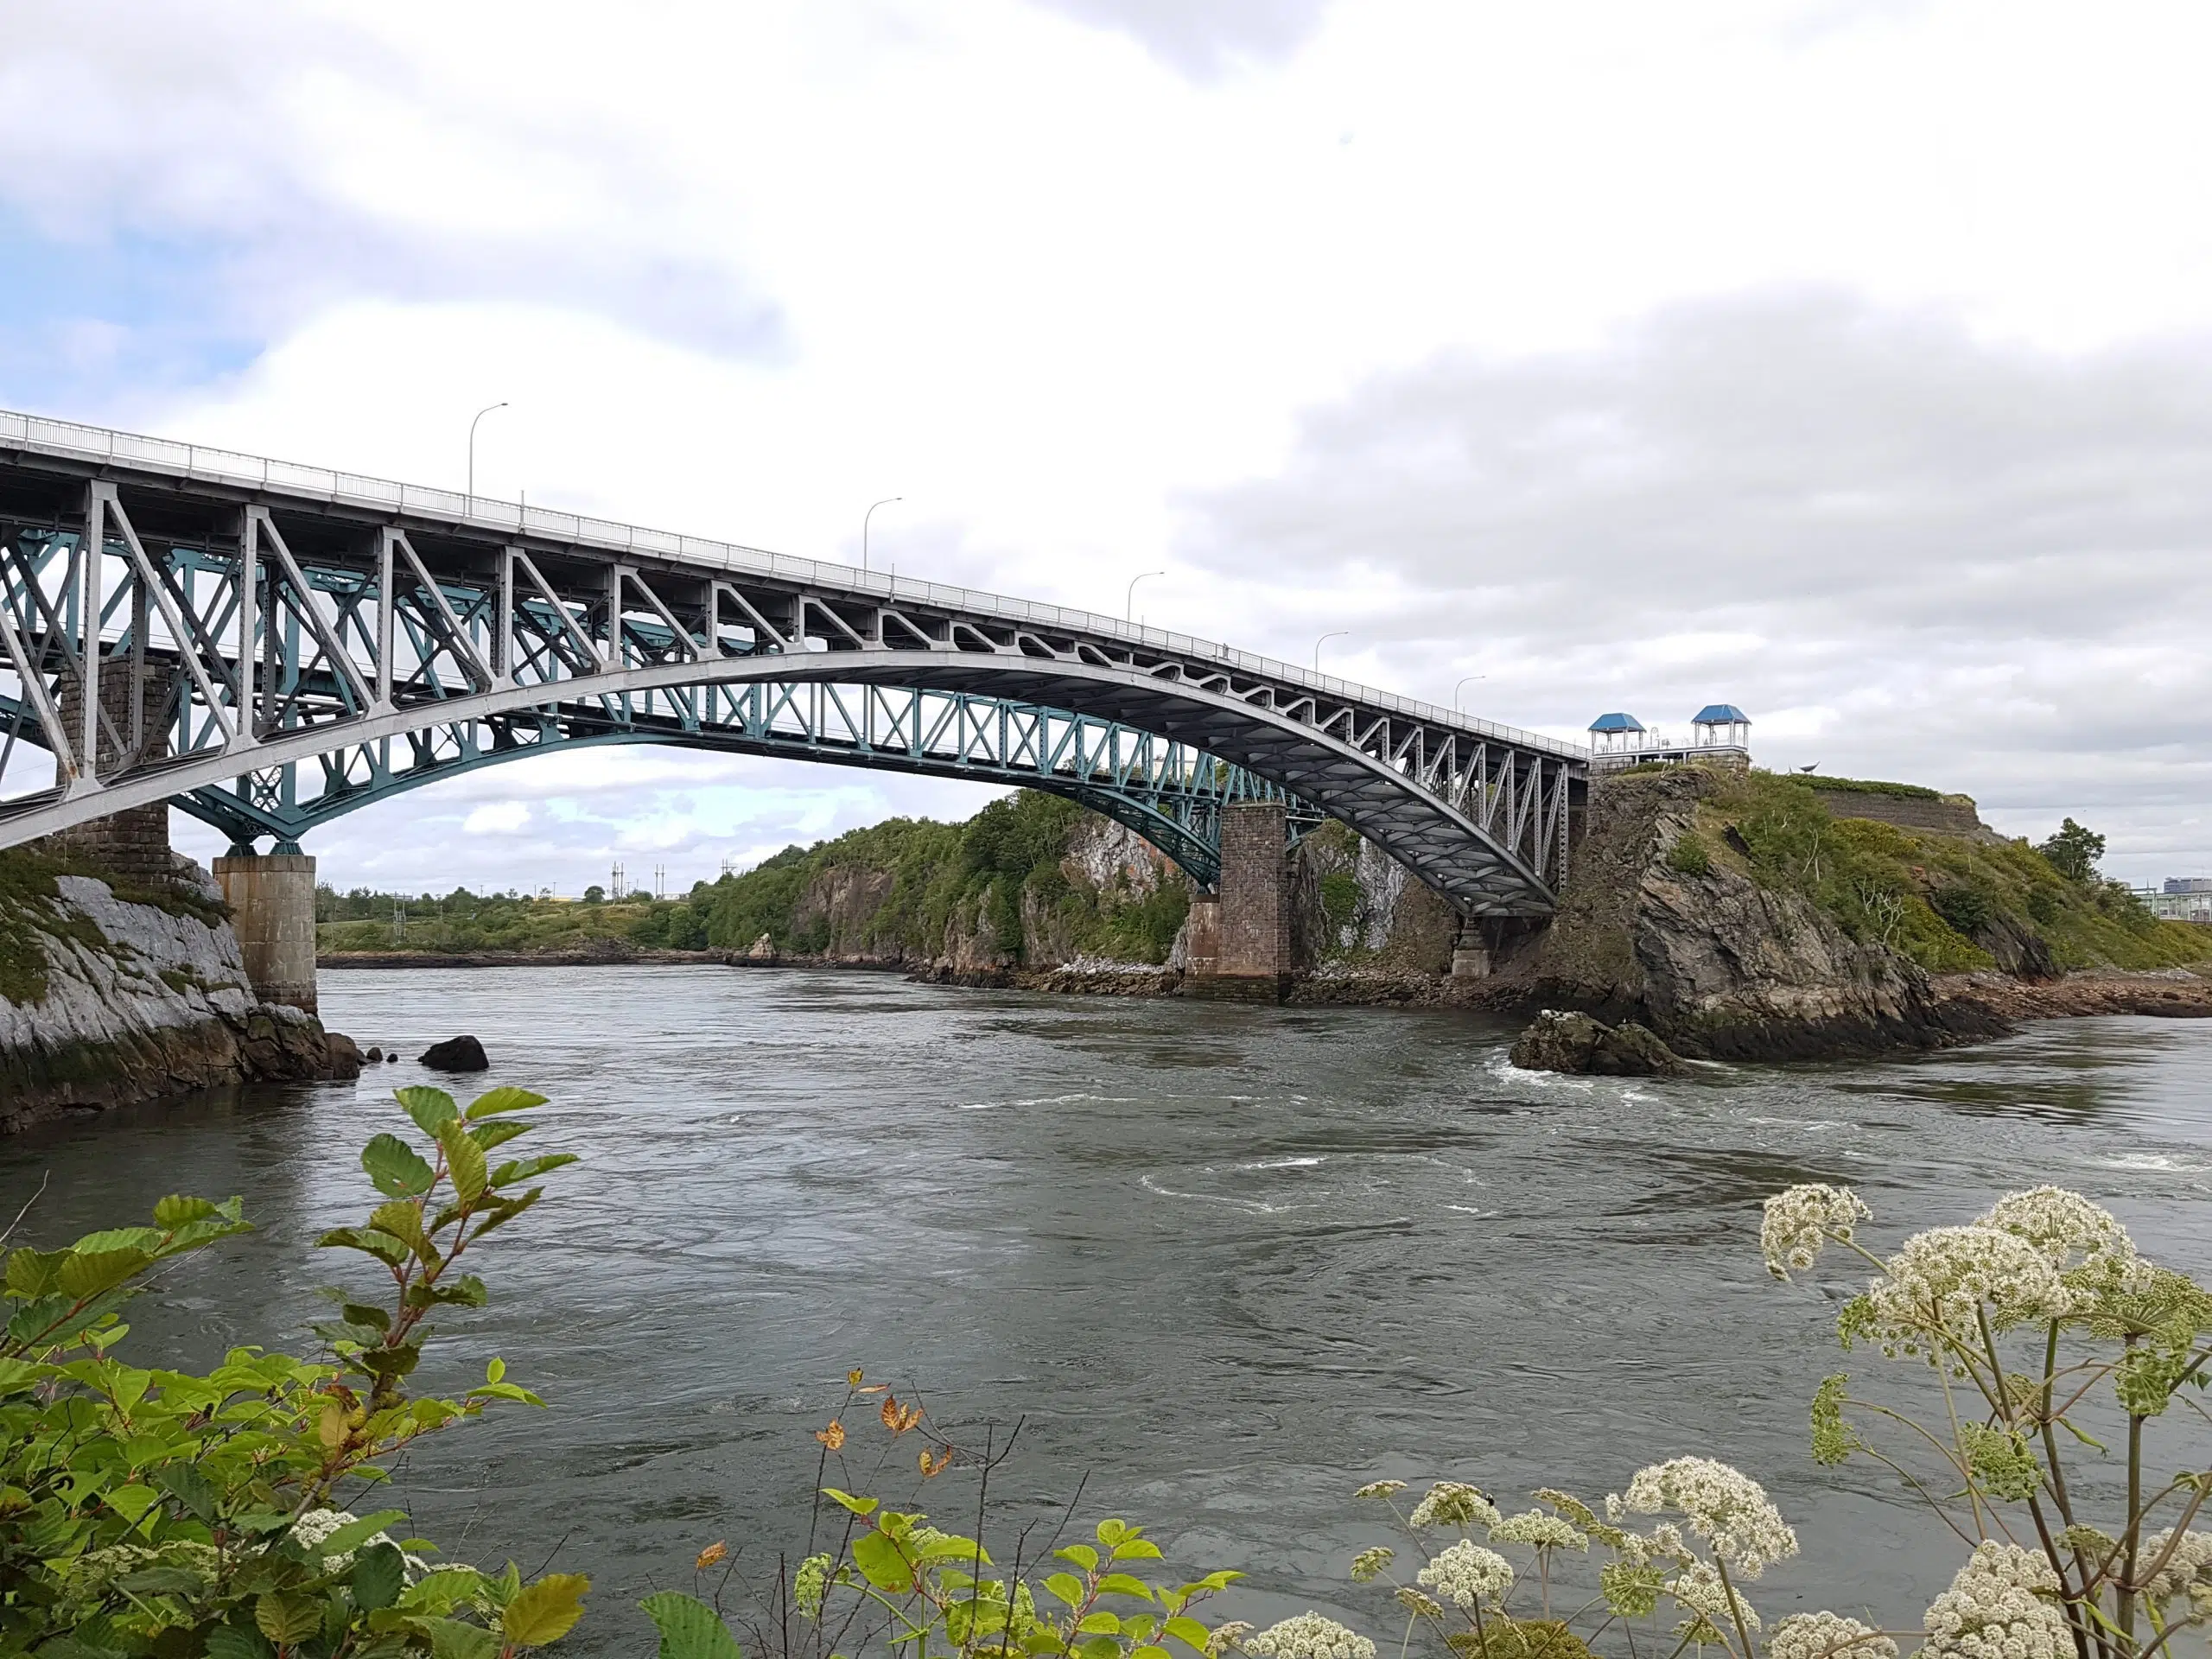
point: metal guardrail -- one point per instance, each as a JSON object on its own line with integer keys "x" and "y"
{"x": 200, "y": 462}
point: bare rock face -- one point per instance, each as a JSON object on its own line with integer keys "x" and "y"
{"x": 1719, "y": 966}
{"x": 104, "y": 1002}
{"x": 1576, "y": 1042}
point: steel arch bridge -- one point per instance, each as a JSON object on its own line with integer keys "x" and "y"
{"x": 269, "y": 645}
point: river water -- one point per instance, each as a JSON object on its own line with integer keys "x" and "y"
{"x": 1223, "y": 1263}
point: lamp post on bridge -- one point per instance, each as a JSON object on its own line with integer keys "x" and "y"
{"x": 1334, "y": 633}
{"x": 1130, "y": 600}
{"x": 864, "y": 517}
{"x": 1464, "y": 682}
{"x": 480, "y": 414}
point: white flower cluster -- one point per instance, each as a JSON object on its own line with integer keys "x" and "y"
{"x": 1799, "y": 1220}
{"x": 1539, "y": 1531}
{"x": 1467, "y": 1573}
{"x": 1699, "y": 1589}
{"x": 2081, "y": 1241}
{"x": 1942, "y": 1275}
{"x": 1725, "y": 1506}
{"x": 1999, "y": 1606}
{"x": 1453, "y": 1503}
{"x": 1309, "y": 1636}
{"x": 2188, "y": 1570}
{"x": 1827, "y": 1636}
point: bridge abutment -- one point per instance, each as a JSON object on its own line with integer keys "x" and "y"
{"x": 271, "y": 898}
{"x": 133, "y": 844}
{"x": 1250, "y": 924}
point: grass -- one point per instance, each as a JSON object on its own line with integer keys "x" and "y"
{"x": 30, "y": 918}
{"x": 1895, "y": 887}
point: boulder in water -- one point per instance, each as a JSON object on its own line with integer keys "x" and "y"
{"x": 1576, "y": 1042}
{"x": 455, "y": 1054}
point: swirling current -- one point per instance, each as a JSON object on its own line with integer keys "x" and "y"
{"x": 1221, "y": 1264}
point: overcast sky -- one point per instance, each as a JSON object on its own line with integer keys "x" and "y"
{"x": 1850, "y": 360}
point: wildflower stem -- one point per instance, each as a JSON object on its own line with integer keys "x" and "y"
{"x": 1735, "y": 1607}
{"x": 2134, "y": 1523}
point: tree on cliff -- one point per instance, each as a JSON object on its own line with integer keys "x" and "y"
{"x": 2074, "y": 851}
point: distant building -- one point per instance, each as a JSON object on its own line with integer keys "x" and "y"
{"x": 2186, "y": 898}
{"x": 2188, "y": 884}
{"x": 1721, "y": 735}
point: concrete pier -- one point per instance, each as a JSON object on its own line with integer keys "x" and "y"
{"x": 271, "y": 896}
{"x": 1252, "y": 957}
{"x": 133, "y": 844}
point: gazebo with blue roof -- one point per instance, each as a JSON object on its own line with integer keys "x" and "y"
{"x": 1612, "y": 732}
{"x": 1721, "y": 726}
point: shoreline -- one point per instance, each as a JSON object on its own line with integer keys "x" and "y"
{"x": 2174, "y": 993}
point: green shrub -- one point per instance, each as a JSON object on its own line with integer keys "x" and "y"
{"x": 1967, "y": 910}
{"x": 1689, "y": 855}
{"x": 158, "y": 1512}
{"x": 1339, "y": 901}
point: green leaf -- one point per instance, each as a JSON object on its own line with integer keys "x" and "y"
{"x": 174, "y": 1210}
{"x": 496, "y": 1133}
{"x": 688, "y": 1628}
{"x": 857, "y": 1505}
{"x": 451, "y": 1639}
{"x": 34, "y": 1273}
{"x": 465, "y": 1291}
{"x": 19, "y": 1375}
{"x": 1133, "y": 1548}
{"x": 1067, "y": 1587}
{"x": 396, "y": 1168}
{"x": 230, "y": 1642}
{"x": 351, "y": 1536}
{"x": 464, "y": 1162}
{"x": 1082, "y": 1554}
{"x": 403, "y": 1221}
{"x": 371, "y": 1317}
{"x": 1124, "y": 1584}
{"x": 286, "y": 1620}
{"x": 1111, "y": 1532}
{"x": 191, "y": 1489}
{"x": 499, "y": 1214}
{"x": 379, "y": 1574}
{"x": 544, "y": 1611}
{"x": 383, "y": 1246}
{"x": 85, "y": 1274}
{"x": 503, "y": 1100}
{"x": 132, "y": 1502}
{"x": 522, "y": 1169}
{"x": 1190, "y": 1633}
{"x": 877, "y": 1555}
{"x": 119, "y": 1238}
{"x": 1151, "y": 1651}
{"x": 428, "y": 1107}
{"x": 1101, "y": 1623}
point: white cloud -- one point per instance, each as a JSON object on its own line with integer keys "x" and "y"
{"x": 497, "y": 818}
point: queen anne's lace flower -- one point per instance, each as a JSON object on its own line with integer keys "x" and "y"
{"x": 1725, "y": 1506}
{"x": 1827, "y": 1636}
{"x": 1467, "y": 1573}
{"x": 1699, "y": 1590}
{"x": 1993, "y": 1609}
{"x": 1800, "y": 1219}
{"x": 312, "y": 1528}
{"x": 1380, "y": 1489}
{"x": 1225, "y": 1636}
{"x": 1453, "y": 1503}
{"x": 1942, "y": 1275}
{"x": 2188, "y": 1569}
{"x": 2083, "y": 1242}
{"x": 1539, "y": 1530}
{"x": 1309, "y": 1636}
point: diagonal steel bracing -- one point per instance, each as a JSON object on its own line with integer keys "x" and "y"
{"x": 314, "y": 641}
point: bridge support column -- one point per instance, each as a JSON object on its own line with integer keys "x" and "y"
{"x": 133, "y": 844}
{"x": 1252, "y": 958}
{"x": 272, "y": 902}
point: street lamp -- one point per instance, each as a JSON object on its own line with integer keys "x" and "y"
{"x": 1334, "y": 633}
{"x": 1465, "y": 681}
{"x": 480, "y": 414}
{"x": 1129, "y": 602}
{"x": 864, "y": 517}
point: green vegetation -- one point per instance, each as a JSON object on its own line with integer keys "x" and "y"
{"x": 2074, "y": 851}
{"x": 896, "y": 887}
{"x": 1939, "y": 900}
{"x": 158, "y": 1512}
{"x": 1873, "y": 786}
{"x": 1690, "y": 856}
{"x": 30, "y": 917}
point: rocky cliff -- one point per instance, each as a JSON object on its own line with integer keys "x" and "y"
{"x": 108, "y": 1000}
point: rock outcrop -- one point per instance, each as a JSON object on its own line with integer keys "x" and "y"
{"x": 1718, "y": 966}
{"x": 455, "y": 1054}
{"x": 107, "y": 1001}
{"x": 1576, "y": 1042}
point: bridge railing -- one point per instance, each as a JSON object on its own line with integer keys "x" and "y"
{"x": 228, "y": 467}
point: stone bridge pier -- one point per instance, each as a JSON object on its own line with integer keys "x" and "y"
{"x": 1238, "y": 948}
{"x": 271, "y": 898}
